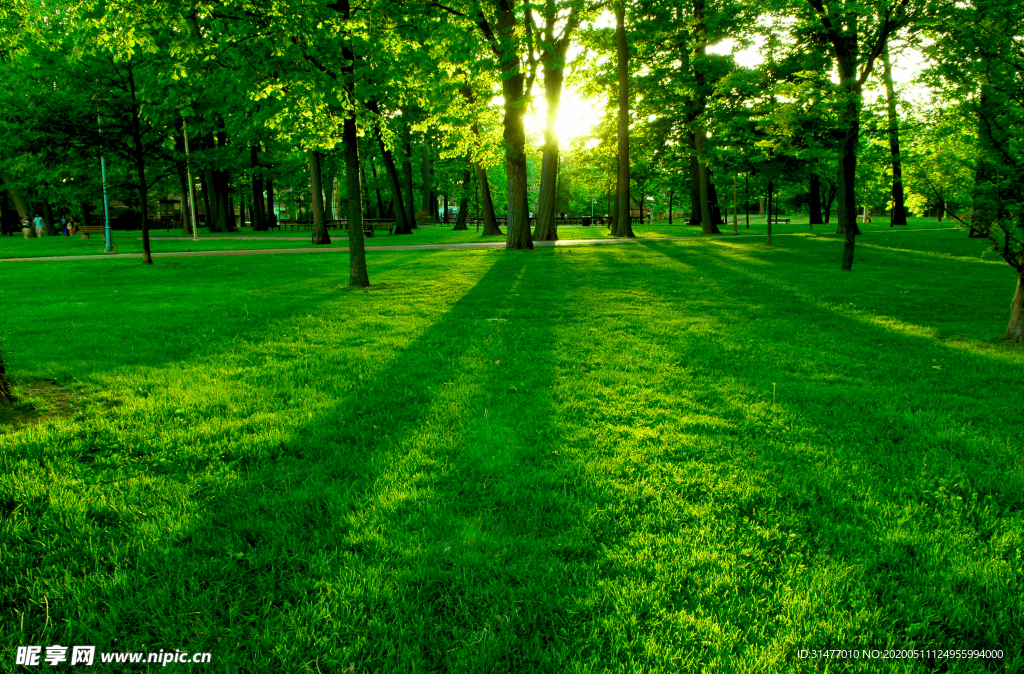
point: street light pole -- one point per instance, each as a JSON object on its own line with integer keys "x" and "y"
{"x": 109, "y": 248}
{"x": 106, "y": 207}
{"x": 191, "y": 190}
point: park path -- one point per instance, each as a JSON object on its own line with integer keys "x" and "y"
{"x": 433, "y": 246}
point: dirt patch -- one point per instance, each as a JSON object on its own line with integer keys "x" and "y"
{"x": 37, "y": 402}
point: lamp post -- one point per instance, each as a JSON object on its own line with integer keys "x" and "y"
{"x": 109, "y": 248}
{"x": 191, "y": 192}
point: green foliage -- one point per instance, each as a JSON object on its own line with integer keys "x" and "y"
{"x": 551, "y": 479}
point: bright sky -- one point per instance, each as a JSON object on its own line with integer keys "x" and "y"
{"x": 578, "y": 115}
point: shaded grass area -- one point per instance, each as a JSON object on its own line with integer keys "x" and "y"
{"x": 129, "y": 242}
{"x": 672, "y": 456}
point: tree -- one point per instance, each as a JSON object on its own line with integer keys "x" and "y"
{"x": 843, "y": 25}
{"x": 978, "y": 55}
{"x": 621, "y": 225}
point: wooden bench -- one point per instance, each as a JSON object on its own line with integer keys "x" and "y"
{"x": 778, "y": 220}
{"x": 369, "y": 225}
{"x": 86, "y": 230}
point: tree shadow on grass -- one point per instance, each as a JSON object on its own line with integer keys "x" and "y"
{"x": 906, "y": 500}
{"x": 424, "y": 523}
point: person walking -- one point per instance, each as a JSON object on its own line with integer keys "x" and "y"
{"x": 38, "y": 220}
{"x": 64, "y": 226}
{"x": 26, "y": 228}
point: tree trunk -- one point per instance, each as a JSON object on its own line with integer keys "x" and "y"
{"x": 426, "y": 176}
{"x": 48, "y": 225}
{"x": 376, "y": 189}
{"x": 320, "y": 235}
{"x": 815, "y": 201}
{"x": 365, "y": 195}
{"x": 19, "y": 202}
{"x": 6, "y": 395}
{"x": 513, "y": 86}
{"x": 271, "y": 215}
{"x": 358, "y": 275}
{"x": 259, "y": 219}
{"x": 695, "y": 207}
{"x": 1015, "y": 331}
{"x": 140, "y": 170}
{"x": 402, "y": 226}
{"x": 671, "y": 193}
{"x": 623, "y": 226}
{"x": 847, "y": 170}
{"x": 328, "y": 198}
{"x": 491, "y": 227}
{"x": 771, "y": 189}
{"x": 746, "y": 197}
{"x": 899, "y": 212}
{"x": 460, "y": 222}
{"x": 410, "y": 203}
{"x": 716, "y": 211}
{"x": 547, "y": 201}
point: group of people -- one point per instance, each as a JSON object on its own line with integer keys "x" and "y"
{"x": 66, "y": 226}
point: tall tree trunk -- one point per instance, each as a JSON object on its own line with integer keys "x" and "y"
{"x": 695, "y": 208}
{"x": 19, "y": 202}
{"x": 460, "y": 222}
{"x": 671, "y": 193}
{"x": 490, "y": 220}
{"x": 271, "y": 215}
{"x": 259, "y": 220}
{"x": 376, "y": 189}
{"x": 358, "y": 275}
{"x": 1015, "y": 330}
{"x": 746, "y": 197}
{"x": 716, "y": 211}
{"x": 140, "y": 170}
{"x": 513, "y": 87}
{"x": 223, "y": 185}
{"x": 328, "y": 198}
{"x": 51, "y": 230}
{"x": 427, "y": 192}
{"x": 623, "y": 226}
{"x": 410, "y": 204}
{"x": 206, "y": 182}
{"x": 547, "y": 200}
{"x": 814, "y": 197}
{"x": 847, "y": 169}
{"x": 320, "y": 234}
{"x": 710, "y": 216}
{"x": 899, "y": 213}
{"x": 366, "y": 188}
{"x": 402, "y": 226}
{"x": 186, "y": 197}
{"x": 986, "y": 195}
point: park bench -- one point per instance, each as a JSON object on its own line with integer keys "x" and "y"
{"x": 778, "y": 220}
{"x": 86, "y": 230}
{"x": 370, "y": 225}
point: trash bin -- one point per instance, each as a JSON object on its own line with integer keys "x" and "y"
{"x": 585, "y": 221}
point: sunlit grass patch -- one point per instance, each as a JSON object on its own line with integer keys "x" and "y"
{"x": 669, "y": 456}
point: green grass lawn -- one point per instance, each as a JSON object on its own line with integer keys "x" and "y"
{"x": 171, "y": 240}
{"x": 672, "y": 456}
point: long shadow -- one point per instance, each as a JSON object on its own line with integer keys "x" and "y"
{"x": 892, "y": 493}
{"x": 426, "y": 522}
{"x": 118, "y": 317}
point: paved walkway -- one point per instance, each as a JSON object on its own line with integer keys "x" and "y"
{"x": 436, "y": 246}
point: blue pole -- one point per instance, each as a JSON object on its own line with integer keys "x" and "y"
{"x": 106, "y": 208}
